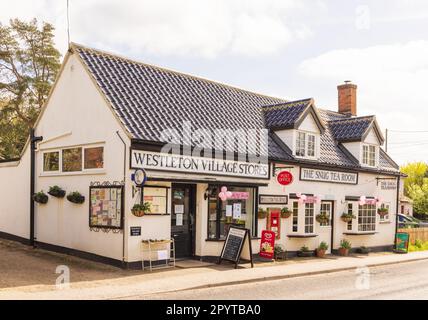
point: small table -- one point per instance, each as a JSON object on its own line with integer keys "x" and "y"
{"x": 149, "y": 247}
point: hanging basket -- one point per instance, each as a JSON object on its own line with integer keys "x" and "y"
{"x": 41, "y": 197}
{"x": 347, "y": 217}
{"x": 286, "y": 213}
{"x": 382, "y": 212}
{"x": 56, "y": 192}
{"x": 262, "y": 214}
{"x": 76, "y": 197}
{"x": 322, "y": 218}
{"x": 140, "y": 210}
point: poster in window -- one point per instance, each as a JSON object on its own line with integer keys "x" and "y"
{"x": 229, "y": 209}
{"x": 237, "y": 211}
{"x": 106, "y": 207}
{"x": 157, "y": 197}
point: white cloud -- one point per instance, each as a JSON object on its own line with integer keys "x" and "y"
{"x": 392, "y": 83}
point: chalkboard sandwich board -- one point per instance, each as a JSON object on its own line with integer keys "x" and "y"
{"x": 234, "y": 244}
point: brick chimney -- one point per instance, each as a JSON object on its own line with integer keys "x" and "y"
{"x": 347, "y": 98}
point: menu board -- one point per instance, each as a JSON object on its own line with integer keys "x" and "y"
{"x": 233, "y": 245}
{"x": 106, "y": 207}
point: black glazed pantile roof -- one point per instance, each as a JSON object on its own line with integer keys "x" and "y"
{"x": 351, "y": 129}
{"x": 148, "y": 100}
{"x": 285, "y": 115}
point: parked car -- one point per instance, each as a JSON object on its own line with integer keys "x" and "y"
{"x": 410, "y": 222}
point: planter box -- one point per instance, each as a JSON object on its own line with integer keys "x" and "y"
{"x": 305, "y": 254}
{"x": 281, "y": 255}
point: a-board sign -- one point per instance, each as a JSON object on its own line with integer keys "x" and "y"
{"x": 135, "y": 231}
{"x": 401, "y": 242}
{"x": 234, "y": 244}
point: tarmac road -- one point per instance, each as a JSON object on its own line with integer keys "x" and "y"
{"x": 401, "y": 281}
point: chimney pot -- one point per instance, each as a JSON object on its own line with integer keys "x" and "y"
{"x": 347, "y": 98}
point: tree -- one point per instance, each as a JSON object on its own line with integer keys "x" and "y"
{"x": 416, "y": 185}
{"x": 29, "y": 64}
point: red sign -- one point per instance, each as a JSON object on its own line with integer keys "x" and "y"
{"x": 284, "y": 178}
{"x": 240, "y": 195}
{"x": 267, "y": 244}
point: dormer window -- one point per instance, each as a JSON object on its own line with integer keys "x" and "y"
{"x": 305, "y": 144}
{"x": 369, "y": 155}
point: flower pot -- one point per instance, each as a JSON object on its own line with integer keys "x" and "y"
{"x": 305, "y": 254}
{"x": 138, "y": 213}
{"x": 280, "y": 255}
{"x": 261, "y": 215}
{"x": 320, "y": 253}
{"x": 343, "y": 252}
{"x": 57, "y": 194}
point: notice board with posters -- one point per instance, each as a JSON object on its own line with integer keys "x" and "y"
{"x": 106, "y": 207}
{"x": 234, "y": 244}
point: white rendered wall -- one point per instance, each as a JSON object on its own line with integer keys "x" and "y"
{"x": 15, "y": 196}
{"x": 78, "y": 115}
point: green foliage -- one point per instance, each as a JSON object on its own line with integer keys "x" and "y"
{"x": 278, "y": 249}
{"x": 418, "y": 246}
{"x": 416, "y": 185}
{"x": 345, "y": 244}
{"x": 29, "y": 64}
{"x": 323, "y": 246}
{"x": 304, "y": 249}
{"x": 145, "y": 207}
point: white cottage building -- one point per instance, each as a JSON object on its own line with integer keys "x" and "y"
{"x": 108, "y": 116}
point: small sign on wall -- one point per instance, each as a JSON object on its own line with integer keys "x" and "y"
{"x": 273, "y": 199}
{"x": 135, "y": 231}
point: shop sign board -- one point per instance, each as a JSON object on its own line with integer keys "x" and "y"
{"x": 273, "y": 199}
{"x": 388, "y": 185}
{"x": 284, "y": 178}
{"x": 187, "y": 164}
{"x": 318, "y": 175}
{"x": 267, "y": 244}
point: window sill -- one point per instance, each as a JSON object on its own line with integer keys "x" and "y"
{"x": 312, "y": 235}
{"x": 67, "y": 174}
{"x": 385, "y": 222}
{"x": 370, "y": 233}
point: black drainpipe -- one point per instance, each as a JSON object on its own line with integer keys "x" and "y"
{"x": 33, "y": 142}
{"x": 396, "y": 207}
{"x": 124, "y": 182}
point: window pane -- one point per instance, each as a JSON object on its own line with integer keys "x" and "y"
{"x": 309, "y": 218}
{"x": 367, "y": 217}
{"x": 295, "y": 216}
{"x": 94, "y": 158}
{"x": 232, "y": 212}
{"x": 311, "y": 145}
{"x": 300, "y": 144}
{"x": 72, "y": 160}
{"x": 51, "y": 161}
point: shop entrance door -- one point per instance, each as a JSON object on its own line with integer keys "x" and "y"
{"x": 183, "y": 219}
{"x": 326, "y": 229}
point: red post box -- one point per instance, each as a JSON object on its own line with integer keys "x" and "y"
{"x": 274, "y": 221}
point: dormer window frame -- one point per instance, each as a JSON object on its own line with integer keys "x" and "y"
{"x": 369, "y": 158}
{"x": 308, "y": 143}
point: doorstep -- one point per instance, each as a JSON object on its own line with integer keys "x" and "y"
{"x": 191, "y": 263}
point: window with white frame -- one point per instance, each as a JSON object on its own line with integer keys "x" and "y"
{"x": 350, "y": 212}
{"x": 385, "y": 217}
{"x": 295, "y": 226}
{"x": 369, "y": 155}
{"x": 326, "y": 208}
{"x": 76, "y": 159}
{"x": 309, "y": 218}
{"x": 305, "y": 144}
{"x": 367, "y": 217}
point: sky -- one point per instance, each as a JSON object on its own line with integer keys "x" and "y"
{"x": 292, "y": 49}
